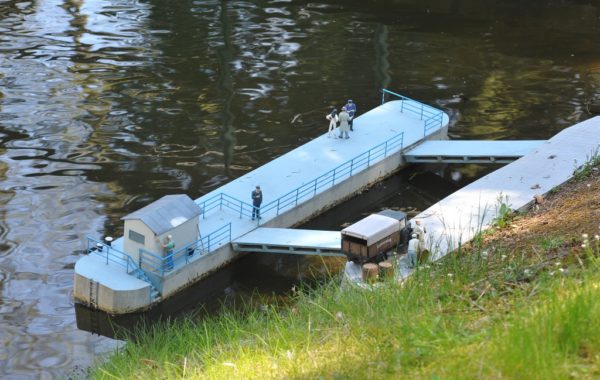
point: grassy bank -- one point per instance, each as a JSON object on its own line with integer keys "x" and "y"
{"x": 521, "y": 304}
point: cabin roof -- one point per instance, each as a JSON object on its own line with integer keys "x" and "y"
{"x": 166, "y": 213}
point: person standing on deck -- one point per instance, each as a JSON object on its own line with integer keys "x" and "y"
{"x": 333, "y": 120}
{"x": 413, "y": 251}
{"x": 351, "y": 109}
{"x": 256, "y": 201}
{"x": 420, "y": 231}
{"x": 343, "y": 117}
{"x": 168, "y": 246}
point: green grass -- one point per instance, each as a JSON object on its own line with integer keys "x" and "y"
{"x": 469, "y": 316}
{"x": 585, "y": 170}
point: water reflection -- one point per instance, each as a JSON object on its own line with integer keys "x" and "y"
{"x": 108, "y": 105}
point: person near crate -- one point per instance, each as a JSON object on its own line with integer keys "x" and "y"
{"x": 413, "y": 251}
{"x": 168, "y": 245}
{"x": 257, "y": 198}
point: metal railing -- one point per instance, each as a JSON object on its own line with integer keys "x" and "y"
{"x": 432, "y": 117}
{"x": 310, "y": 189}
{"x": 223, "y": 200}
{"x": 160, "y": 264}
{"x": 111, "y": 255}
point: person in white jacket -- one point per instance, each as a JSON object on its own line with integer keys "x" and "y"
{"x": 420, "y": 230}
{"x": 333, "y": 119}
{"x": 413, "y": 251}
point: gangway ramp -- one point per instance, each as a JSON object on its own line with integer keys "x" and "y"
{"x": 470, "y": 151}
{"x": 290, "y": 241}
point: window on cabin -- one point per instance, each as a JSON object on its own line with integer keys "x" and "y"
{"x": 137, "y": 237}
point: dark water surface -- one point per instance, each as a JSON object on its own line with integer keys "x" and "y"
{"x": 106, "y": 106}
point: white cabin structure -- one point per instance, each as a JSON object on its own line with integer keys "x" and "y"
{"x": 175, "y": 215}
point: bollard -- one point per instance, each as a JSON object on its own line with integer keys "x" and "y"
{"x": 369, "y": 273}
{"x": 108, "y": 240}
{"x": 386, "y": 270}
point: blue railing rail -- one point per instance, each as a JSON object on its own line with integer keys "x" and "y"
{"x": 309, "y": 189}
{"x": 158, "y": 264}
{"x": 111, "y": 255}
{"x": 118, "y": 257}
{"x": 432, "y": 117}
{"x": 223, "y": 200}
{"x": 334, "y": 176}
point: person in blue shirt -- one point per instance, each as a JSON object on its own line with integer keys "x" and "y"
{"x": 351, "y": 109}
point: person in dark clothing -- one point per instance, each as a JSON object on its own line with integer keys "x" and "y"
{"x": 351, "y": 109}
{"x": 256, "y": 201}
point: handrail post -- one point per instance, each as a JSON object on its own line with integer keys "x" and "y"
{"x": 369, "y": 158}
{"x": 297, "y": 192}
{"x": 333, "y": 177}
{"x": 385, "y": 150}
{"x": 278, "y": 200}
{"x": 208, "y": 243}
{"x": 382, "y": 96}
{"x": 220, "y": 201}
{"x": 242, "y": 209}
{"x": 315, "y": 192}
{"x": 421, "y": 111}
{"x": 351, "y": 167}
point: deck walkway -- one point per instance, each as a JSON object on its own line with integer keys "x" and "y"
{"x": 305, "y": 164}
{"x": 290, "y": 241}
{"x": 470, "y": 151}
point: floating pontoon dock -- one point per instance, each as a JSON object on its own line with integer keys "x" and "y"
{"x": 296, "y": 187}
